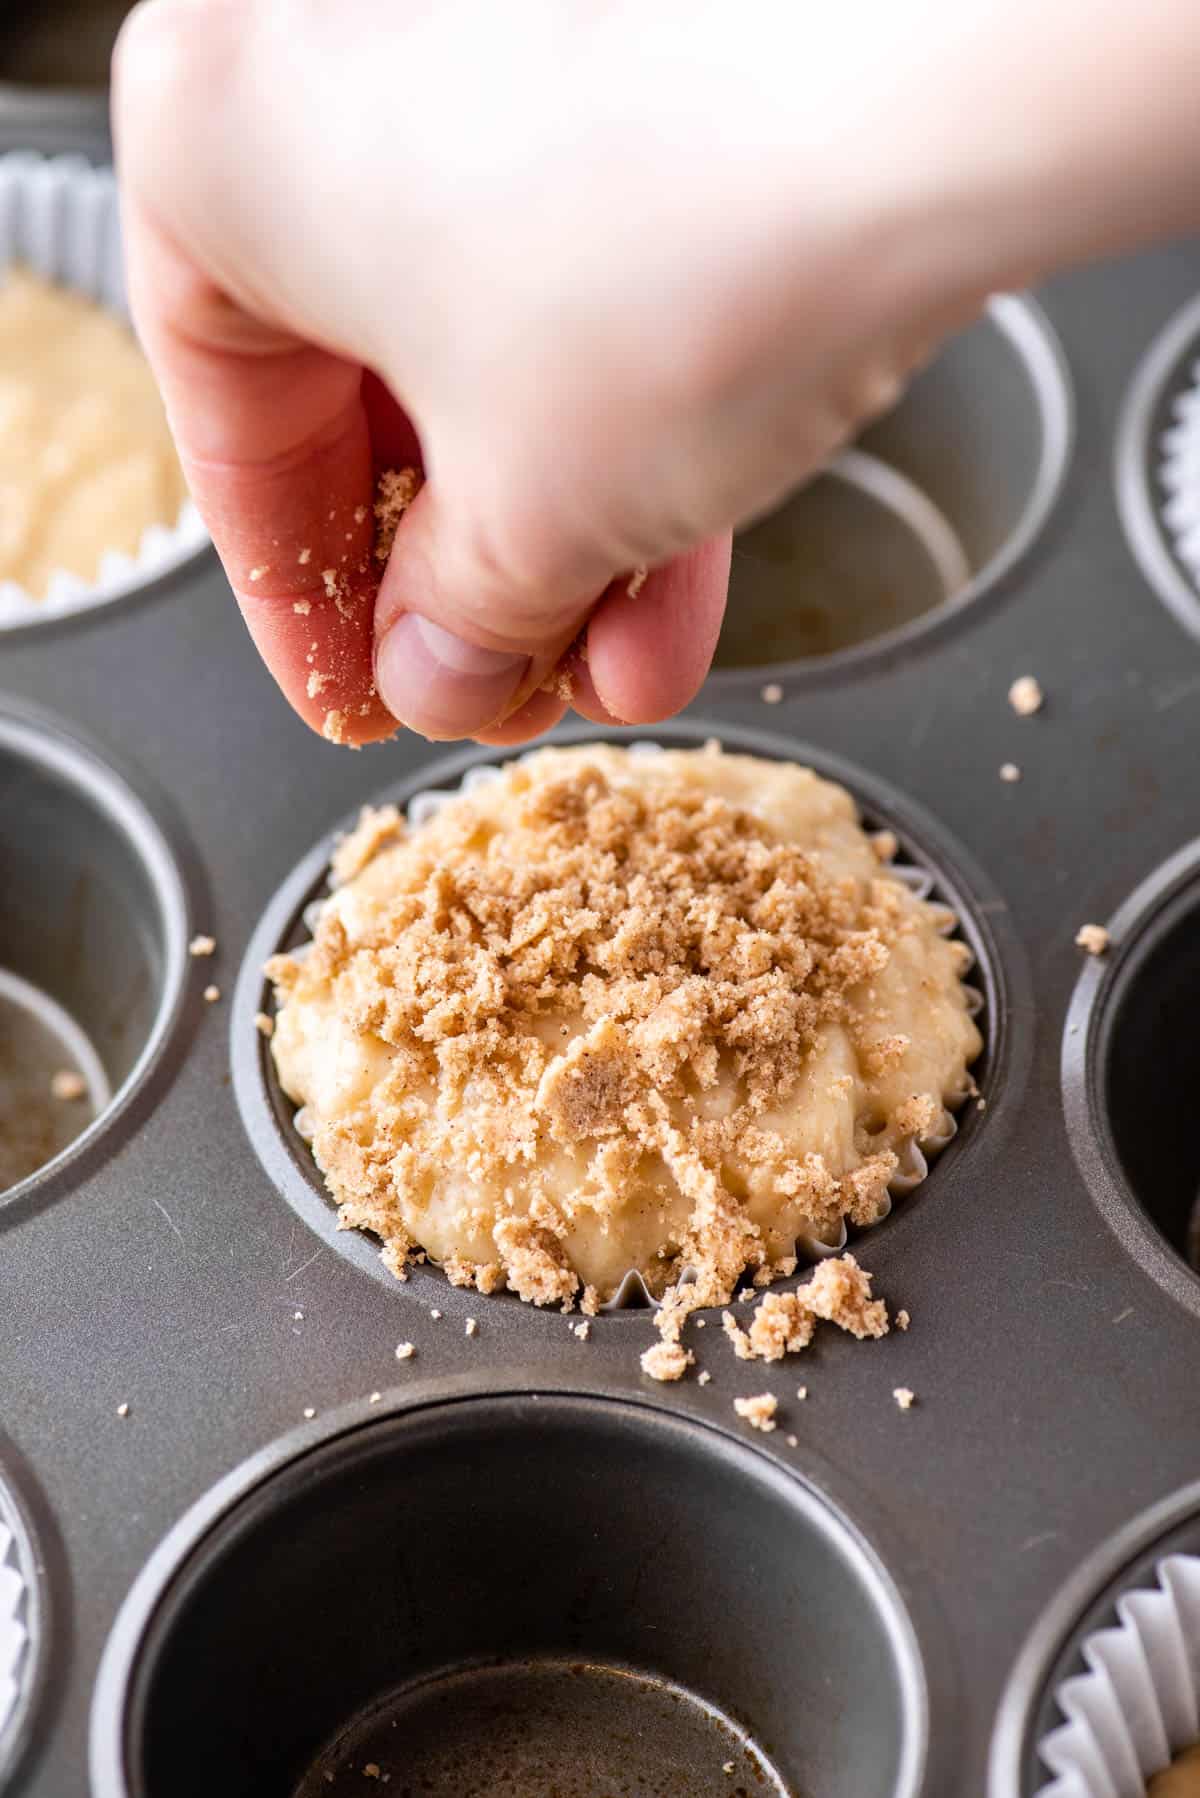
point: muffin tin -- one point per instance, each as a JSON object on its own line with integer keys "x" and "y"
{"x": 257, "y": 1549}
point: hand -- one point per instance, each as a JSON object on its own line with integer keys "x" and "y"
{"x": 615, "y": 273}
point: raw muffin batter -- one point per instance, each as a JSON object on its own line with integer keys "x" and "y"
{"x": 86, "y": 459}
{"x": 1180, "y": 1780}
{"x": 621, "y": 1011}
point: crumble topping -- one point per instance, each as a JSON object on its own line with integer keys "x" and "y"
{"x": 783, "y": 1323}
{"x": 667, "y": 1361}
{"x": 396, "y": 490}
{"x": 1025, "y": 696}
{"x": 662, "y": 1012}
{"x": 905, "y": 1397}
{"x": 759, "y": 1411}
{"x": 1093, "y": 938}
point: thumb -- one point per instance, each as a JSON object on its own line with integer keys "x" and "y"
{"x": 467, "y": 628}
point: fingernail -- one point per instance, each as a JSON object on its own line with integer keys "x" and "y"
{"x": 440, "y": 686}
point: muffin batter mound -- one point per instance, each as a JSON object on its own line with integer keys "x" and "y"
{"x": 660, "y": 1012}
{"x": 86, "y": 459}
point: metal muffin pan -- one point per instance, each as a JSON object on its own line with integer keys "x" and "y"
{"x": 846, "y": 1612}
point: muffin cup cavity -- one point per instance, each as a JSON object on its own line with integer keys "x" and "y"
{"x": 1131, "y": 1065}
{"x": 539, "y": 1579}
{"x": 22, "y": 1632}
{"x": 1157, "y": 465}
{"x": 281, "y": 1132}
{"x": 59, "y": 217}
{"x": 928, "y": 512}
{"x": 1138, "y": 1703}
{"x": 92, "y": 947}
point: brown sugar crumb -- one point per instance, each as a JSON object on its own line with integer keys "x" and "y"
{"x": 902, "y": 1320}
{"x": 211, "y": 994}
{"x": 202, "y": 945}
{"x": 802, "y": 1392}
{"x": 304, "y": 558}
{"x": 582, "y": 1330}
{"x": 759, "y": 1412}
{"x": 772, "y": 693}
{"x": 264, "y": 1024}
{"x": 905, "y": 1397}
{"x": 637, "y": 581}
{"x": 1093, "y": 937}
{"x": 122, "y": 1410}
{"x": 316, "y": 683}
{"x": 377, "y": 827}
{"x": 703, "y": 1377}
{"x": 839, "y": 1292}
{"x": 560, "y": 683}
{"x": 334, "y": 727}
{"x": 395, "y": 493}
{"x": 1009, "y": 772}
{"x": 68, "y": 1085}
{"x": 667, "y": 1361}
{"x": 405, "y": 1351}
{"x": 1025, "y": 696}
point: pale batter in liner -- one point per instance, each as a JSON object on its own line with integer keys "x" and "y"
{"x": 618, "y": 1011}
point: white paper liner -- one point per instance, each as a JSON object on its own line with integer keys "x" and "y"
{"x": 1179, "y": 474}
{"x": 913, "y": 1155}
{"x": 14, "y": 1637}
{"x": 59, "y": 216}
{"x": 1138, "y": 1706}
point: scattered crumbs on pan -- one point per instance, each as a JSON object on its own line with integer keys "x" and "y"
{"x": 902, "y": 1320}
{"x": 202, "y": 945}
{"x": 1025, "y": 696}
{"x": 728, "y": 1767}
{"x": 309, "y": 1411}
{"x": 299, "y": 1316}
{"x": 122, "y": 1410}
{"x": 582, "y": 1330}
{"x": 703, "y": 1377}
{"x": 905, "y": 1397}
{"x": 838, "y": 1292}
{"x": 758, "y": 1411}
{"x": 701, "y": 1322}
{"x": 211, "y": 994}
{"x": 772, "y": 693}
{"x": 373, "y": 1398}
{"x": 1092, "y": 937}
{"x": 637, "y": 581}
{"x": 470, "y": 1327}
{"x": 405, "y": 1351}
{"x": 802, "y": 1392}
{"x": 435, "y": 1314}
{"x": 667, "y": 1361}
{"x": 1009, "y": 772}
{"x": 263, "y": 1024}
{"x": 68, "y": 1085}
{"x": 793, "y": 1441}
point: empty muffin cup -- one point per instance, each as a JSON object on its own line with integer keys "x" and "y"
{"x": 92, "y": 945}
{"x": 544, "y": 1595}
{"x": 1131, "y": 1062}
{"x": 59, "y": 221}
{"x": 931, "y": 509}
{"x": 1158, "y": 465}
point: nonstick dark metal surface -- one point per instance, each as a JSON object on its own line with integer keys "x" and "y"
{"x": 894, "y": 1562}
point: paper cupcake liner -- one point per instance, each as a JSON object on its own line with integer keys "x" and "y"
{"x": 1138, "y": 1705}
{"x": 59, "y": 217}
{"x": 914, "y": 1154}
{"x": 1179, "y": 475}
{"x": 14, "y": 1637}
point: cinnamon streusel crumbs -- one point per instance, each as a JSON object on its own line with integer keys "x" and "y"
{"x": 395, "y": 493}
{"x": 1025, "y": 696}
{"x": 902, "y": 1320}
{"x": 667, "y": 1361}
{"x": 613, "y": 1012}
{"x": 759, "y": 1411}
{"x": 839, "y": 1292}
{"x": 1093, "y": 938}
{"x": 202, "y": 945}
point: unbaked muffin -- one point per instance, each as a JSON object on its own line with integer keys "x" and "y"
{"x": 670, "y": 1013}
